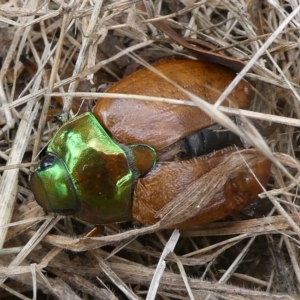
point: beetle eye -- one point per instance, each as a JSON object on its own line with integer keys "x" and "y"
{"x": 47, "y": 161}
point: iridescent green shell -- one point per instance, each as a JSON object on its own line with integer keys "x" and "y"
{"x": 88, "y": 177}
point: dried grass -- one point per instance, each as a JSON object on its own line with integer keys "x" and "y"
{"x": 237, "y": 258}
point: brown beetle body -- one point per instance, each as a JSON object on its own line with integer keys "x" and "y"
{"x": 167, "y": 180}
{"x": 160, "y": 124}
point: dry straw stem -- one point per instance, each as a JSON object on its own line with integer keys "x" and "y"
{"x": 231, "y": 259}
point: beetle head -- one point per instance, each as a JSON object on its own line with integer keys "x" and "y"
{"x": 53, "y": 188}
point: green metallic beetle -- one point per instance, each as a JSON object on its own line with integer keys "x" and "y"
{"x": 83, "y": 149}
{"x": 115, "y": 165}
